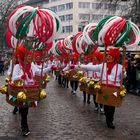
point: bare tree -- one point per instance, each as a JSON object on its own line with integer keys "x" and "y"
{"x": 133, "y": 9}
{"x": 6, "y": 6}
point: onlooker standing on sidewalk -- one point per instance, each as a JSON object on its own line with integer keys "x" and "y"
{"x": 2, "y": 67}
{"x": 137, "y": 68}
{"x": 131, "y": 74}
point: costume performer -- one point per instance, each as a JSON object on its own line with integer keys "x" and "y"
{"x": 9, "y": 72}
{"x": 25, "y": 70}
{"x": 97, "y": 59}
{"x": 65, "y": 80}
{"x": 72, "y": 65}
{"x": 87, "y": 60}
{"x": 111, "y": 75}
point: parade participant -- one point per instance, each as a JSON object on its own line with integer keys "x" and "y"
{"x": 97, "y": 59}
{"x": 137, "y": 69}
{"x": 59, "y": 67}
{"x": 14, "y": 61}
{"x": 55, "y": 63}
{"x": 74, "y": 81}
{"x": 65, "y": 79}
{"x": 52, "y": 62}
{"x": 111, "y": 75}
{"x": 87, "y": 60}
{"x": 25, "y": 71}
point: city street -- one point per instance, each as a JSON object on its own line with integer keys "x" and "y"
{"x": 62, "y": 116}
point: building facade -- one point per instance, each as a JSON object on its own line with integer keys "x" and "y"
{"x": 76, "y": 14}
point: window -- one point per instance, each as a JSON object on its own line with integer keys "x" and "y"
{"x": 67, "y": 29}
{"x": 84, "y": 4}
{"x": 69, "y": 6}
{"x": 61, "y": 7}
{"x": 62, "y": 18}
{"x": 69, "y": 17}
{"x": 63, "y": 29}
{"x": 66, "y": 17}
{"x": 53, "y": 0}
{"x": 93, "y": 5}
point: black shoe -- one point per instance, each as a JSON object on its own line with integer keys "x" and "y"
{"x": 110, "y": 125}
{"x": 15, "y": 110}
{"x": 25, "y": 132}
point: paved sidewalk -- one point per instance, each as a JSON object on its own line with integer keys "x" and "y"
{"x": 62, "y": 116}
